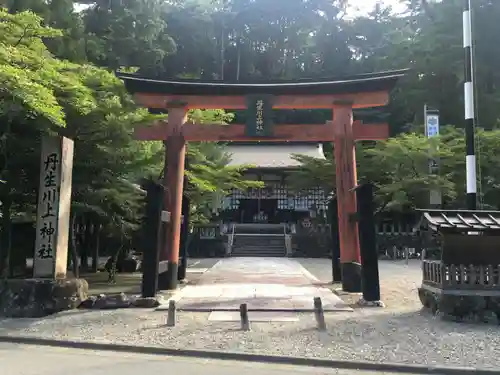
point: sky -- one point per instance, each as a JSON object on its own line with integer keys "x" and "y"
{"x": 364, "y": 6}
{"x": 358, "y": 7}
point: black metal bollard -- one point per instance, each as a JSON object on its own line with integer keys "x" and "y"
{"x": 171, "y": 314}
{"x": 334, "y": 230}
{"x": 319, "y": 314}
{"x": 368, "y": 244}
{"x": 245, "y": 324}
{"x": 183, "y": 260}
{"x": 151, "y": 230}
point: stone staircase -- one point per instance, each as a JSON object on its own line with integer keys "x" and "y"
{"x": 259, "y": 240}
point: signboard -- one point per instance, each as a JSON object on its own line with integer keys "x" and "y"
{"x": 432, "y": 124}
{"x": 432, "y": 130}
{"x": 259, "y": 116}
{"x": 54, "y": 201}
{"x": 165, "y": 216}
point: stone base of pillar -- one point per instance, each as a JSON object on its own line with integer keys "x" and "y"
{"x": 336, "y": 269}
{"x": 167, "y": 280}
{"x": 162, "y": 275}
{"x": 35, "y": 298}
{"x": 351, "y": 277}
{"x": 181, "y": 273}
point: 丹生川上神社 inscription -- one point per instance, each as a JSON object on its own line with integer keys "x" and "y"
{"x": 49, "y": 198}
{"x": 259, "y": 116}
{"x": 54, "y": 201}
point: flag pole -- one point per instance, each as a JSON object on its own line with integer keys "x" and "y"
{"x": 470, "y": 159}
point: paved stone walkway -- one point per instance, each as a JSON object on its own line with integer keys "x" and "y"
{"x": 264, "y": 284}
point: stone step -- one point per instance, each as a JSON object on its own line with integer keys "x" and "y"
{"x": 259, "y": 238}
{"x": 258, "y": 249}
{"x": 257, "y": 255}
{"x": 259, "y": 245}
{"x": 253, "y": 255}
{"x": 258, "y": 229}
{"x": 258, "y": 235}
{"x": 238, "y": 243}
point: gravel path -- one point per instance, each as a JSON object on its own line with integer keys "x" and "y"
{"x": 398, "y": 333}
{"x": 398, "y": 283}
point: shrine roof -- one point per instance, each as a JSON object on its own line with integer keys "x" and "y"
{"x": 380, "y": 81}
{"x": 272, "y": 155}
{"x": 462, "y": 220}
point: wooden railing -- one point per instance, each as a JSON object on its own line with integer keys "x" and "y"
{"x": 432, "y": 272}
{"x": 461, "y": 276}
{"x": 208, "y": 231}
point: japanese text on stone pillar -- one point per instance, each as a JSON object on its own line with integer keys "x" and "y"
{"x": 47, "y": 213}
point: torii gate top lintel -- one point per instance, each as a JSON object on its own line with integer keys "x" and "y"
{"x": 363, "y": 91}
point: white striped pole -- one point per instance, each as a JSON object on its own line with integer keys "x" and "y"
{"x": 470, "y": 161}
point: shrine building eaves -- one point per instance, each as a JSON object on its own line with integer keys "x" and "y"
{"x": 272, "y": 156}
{"x": 380, "y": 81}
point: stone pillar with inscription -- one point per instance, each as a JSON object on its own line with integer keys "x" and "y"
{"x": 53, "y": 211}
{"x": 49, "y": 291}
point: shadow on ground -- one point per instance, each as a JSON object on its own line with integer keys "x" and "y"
{"x": 128, "y": 283}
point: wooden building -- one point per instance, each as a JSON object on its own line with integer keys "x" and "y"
{"x": 276, "y": 202}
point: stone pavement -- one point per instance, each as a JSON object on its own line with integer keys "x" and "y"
{"x": 264, "y": 284}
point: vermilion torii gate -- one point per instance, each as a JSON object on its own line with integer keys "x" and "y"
{"x": 341, "y": 96}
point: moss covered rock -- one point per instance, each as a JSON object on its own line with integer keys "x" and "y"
{"x": 31, "y": 298}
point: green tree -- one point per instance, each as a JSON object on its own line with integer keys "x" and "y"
{"x": 61, "y": 15}
{"x": 314, "y": 172}
{"x": 399, "y": 167}
{"x": 37, "y": 90}
{"x": 127, "y": 33}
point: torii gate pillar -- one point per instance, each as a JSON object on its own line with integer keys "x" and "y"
{"x": 346, "y": 181}
{"x": 175, "y": 154}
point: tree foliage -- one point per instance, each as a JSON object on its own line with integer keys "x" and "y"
{"x": 57, "y": 60}
{"x": 95, "y": 108}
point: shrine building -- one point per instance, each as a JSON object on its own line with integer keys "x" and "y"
{"x": 275, "y": 203}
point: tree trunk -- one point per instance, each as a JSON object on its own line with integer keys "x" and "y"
{"x": 86, "y": 243}
{"x": 222, "y": 55}
{"x": 18, "y": 254}
{"x": 72, "y": 244}
{"x": 96, "y": 236}
{"x": 238, "y": 66}
{"x": 5, "y": 251}
{"x": 5, "y": 201}
{"x": 113, "y": 269}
